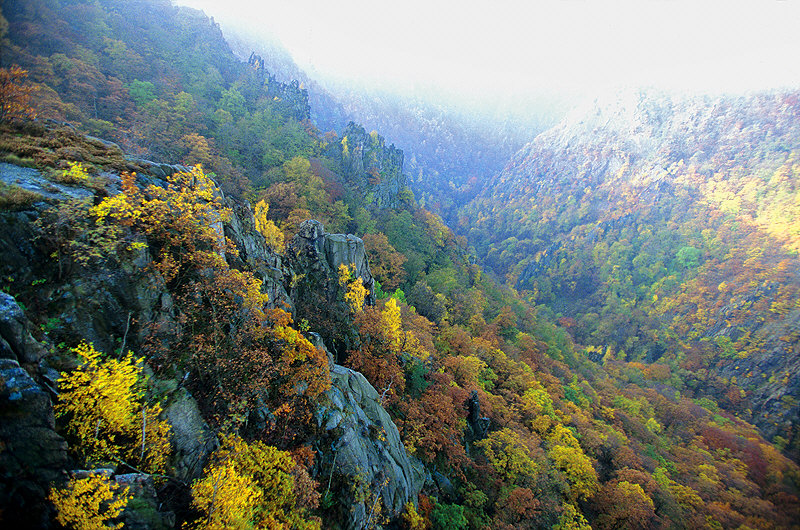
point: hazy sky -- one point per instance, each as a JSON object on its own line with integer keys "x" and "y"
{"x": 478, "y": 50}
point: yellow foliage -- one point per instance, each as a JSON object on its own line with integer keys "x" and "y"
{"x": 249, "y": 485}
{"x": 509, "y": 456}
{"x": 578, "y": 469}
{"x": 392, "y": 322}
{"x": 76, "y": 174}
{"x": 355, "y": 292}
{"x": 268, "y": 228}
{"x": 563, "y": 436}
{"x": 466, "y": 369}
{"x": 412, "y": 519}
{"x": 89, "y": 503}
{"x": 571, "y": 519}
{"x": 537, "y": 405}
{"x": 105, "y": 413}
{"x": 184, "y": 220}
{"x": 227, "y": 498}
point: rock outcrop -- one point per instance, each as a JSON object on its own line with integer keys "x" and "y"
{"x": 360, "y": 445}
{"x": 16, "y": 341}
{"x": 142, "y": 511}
{"x": 32, "y": 454}
{"x": 477, "y": 425}
{"x": 365, "y": 450}
{"x": 264, "y": 262}
{"x": 377, "y": 169}
{"x": 290, "y": 95}
{"x": 314, "y": 258}
{"x": 192, "y": 440}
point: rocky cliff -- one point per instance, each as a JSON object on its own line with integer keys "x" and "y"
{"x": 358, "y": 444}
{"x": 372, "y": 166}
{"x": 362, "y": 451}
{"x": 290, "y": 95}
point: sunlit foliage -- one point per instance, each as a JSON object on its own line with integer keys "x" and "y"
{"x": 102, "y": 404}
{"x": 90, "y": 503}
{"x": 252, "y": 485}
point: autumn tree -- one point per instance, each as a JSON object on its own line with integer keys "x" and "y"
{"x": 567, "y": 456}
{"x": 624, "y": 505}
{"x": 353, "y": 288}
{"x": 253, "y": 485}
{"x": 386, "y": 264}
{"x": 102, "y": 403}
{"x": 509, "y": 456}
{"x": 432, "y": 427}
{"x": 266, "y": 227}
{"x": 181, "y": 221}
{"x": 380, "y": 353}
{"x": 15, "y": 94}
{"x": 92, "y": 503}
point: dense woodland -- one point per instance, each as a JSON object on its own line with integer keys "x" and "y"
{"x": 608, "y": 339}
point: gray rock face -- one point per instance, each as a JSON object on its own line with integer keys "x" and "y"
{"x": 33, "y": 180}
{"x": 142, "y": 511}
{"x": 341, "y": 249}
{"x": 16, "y": 341}
{"x": 314, "y": 258}
{"x": 255, "y": 255}
{"x": 192, "y": 440}
{"x": 366, "y": 449}
{"x": 33, "y": 454}
{"x": 314, "y": 251}
{"x": 373, "y": 166}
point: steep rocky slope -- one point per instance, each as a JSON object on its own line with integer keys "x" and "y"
{"x": 357, "y": 438}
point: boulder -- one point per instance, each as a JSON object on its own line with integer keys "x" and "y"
{"x": 313, "y": 250}
{"x": 142, "y": 511}
{"x": 365, "y": 450}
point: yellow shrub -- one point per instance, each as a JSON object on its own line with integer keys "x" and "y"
{"x": 76, "y": 174}
{"x": 227, "y": 498}
{"x": 89, "y": 503}
{"x": 355, "y": 292}
{"x": 105, "y": 415}
{"x": 267, "y": 228}
{"x": 412, "y": 519}
{"x": 250, "y": 485}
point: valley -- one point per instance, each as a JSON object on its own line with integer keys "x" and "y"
{"x": 230, "y": 297}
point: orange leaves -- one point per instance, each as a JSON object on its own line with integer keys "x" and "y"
{"x": 303, "y": 368}
{"x": 15, "y": 95}
{"x": 625, "y": 505}
{"x": 386, "y": 264}
{"x": 182, "y": 221}
{"x": 433, "y": 426}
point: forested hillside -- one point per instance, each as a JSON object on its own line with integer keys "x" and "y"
{"x": 213, "y": 315}
{"x": 665, "y": 231}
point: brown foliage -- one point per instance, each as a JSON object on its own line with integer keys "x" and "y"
{"x": 385, "y": 262}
